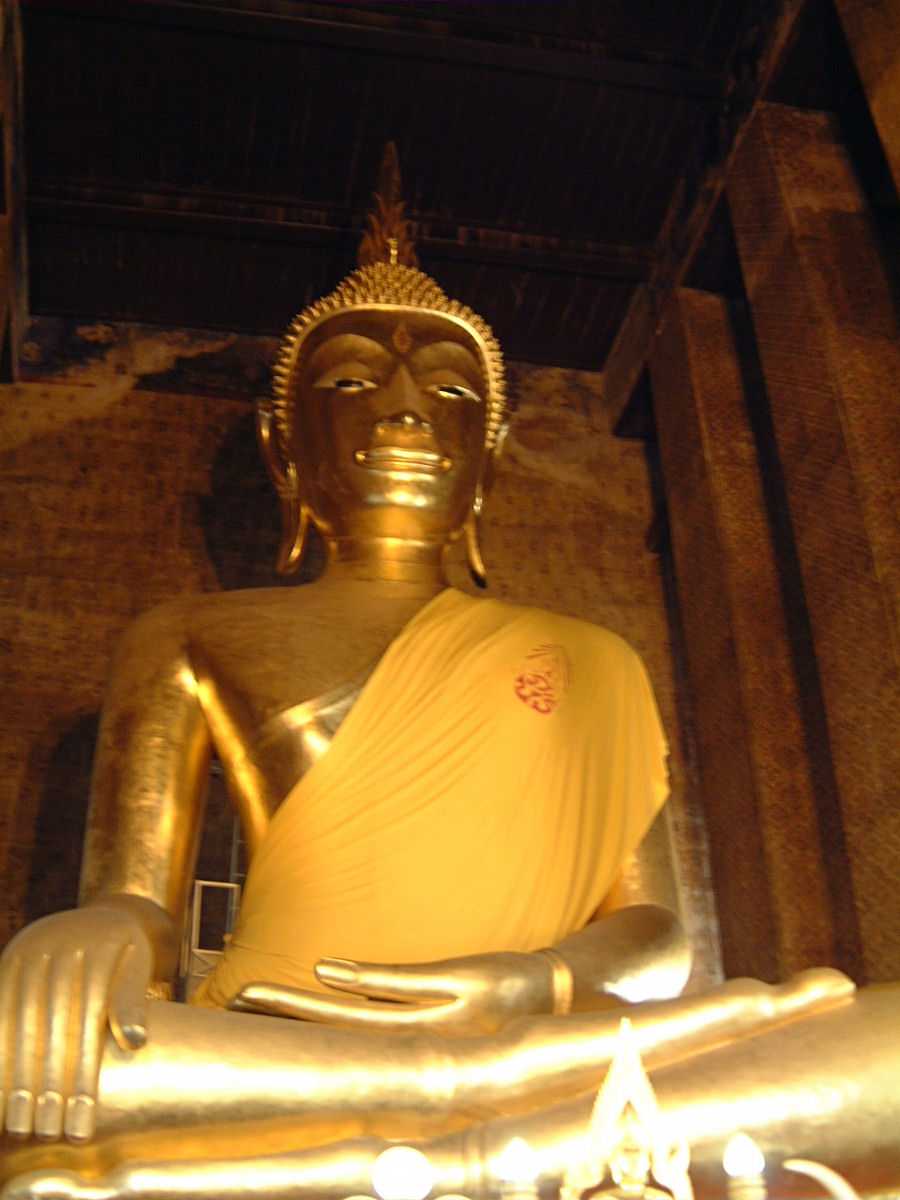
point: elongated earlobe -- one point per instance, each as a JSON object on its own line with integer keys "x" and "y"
{"x": 472, "y": 531}
{"x": 295, "y": 515}
{"x": 294, "y": 528}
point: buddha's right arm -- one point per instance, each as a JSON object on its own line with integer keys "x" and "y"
{"x": 150, "y": 769}
{"x": 66, "y": 977}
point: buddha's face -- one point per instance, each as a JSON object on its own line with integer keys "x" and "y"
{"x": 389, "y": 424}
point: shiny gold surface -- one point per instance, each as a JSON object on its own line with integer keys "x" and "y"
{"x": 745, "y": 1056}
{"x": 389, "y": 405}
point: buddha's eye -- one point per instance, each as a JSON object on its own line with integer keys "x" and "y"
{"x": 346, "y": 383}
{"x": 454, "y": 391}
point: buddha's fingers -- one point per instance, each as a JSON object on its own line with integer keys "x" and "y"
{"x": 30, "y": 1009}
{"x": 61, "y": 1016}
{"x": 9, "y": 987}
{"x": 348, "y": 1012}
{"x": 380, "y": 981}
{"x": 101, "y": 969}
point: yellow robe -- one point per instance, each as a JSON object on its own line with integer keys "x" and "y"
{"x": 482, "y": 794}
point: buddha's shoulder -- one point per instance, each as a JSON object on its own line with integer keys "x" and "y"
{"x": 343, "y": 620}
{"x": 577, "y": 635}
{"x": 185, "y": 616}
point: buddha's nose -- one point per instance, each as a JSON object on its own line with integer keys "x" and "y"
{"x": 407, "y": 421}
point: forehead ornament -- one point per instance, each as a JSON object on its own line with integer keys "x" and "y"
{"x": 387, "y": 278}
{"x": 401, "y": 339}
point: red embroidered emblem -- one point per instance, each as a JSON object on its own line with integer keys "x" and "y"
{"x": 543, "y": 678}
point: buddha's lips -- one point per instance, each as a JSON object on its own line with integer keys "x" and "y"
{"x": 402, "y": 458}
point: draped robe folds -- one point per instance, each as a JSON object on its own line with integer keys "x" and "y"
{"x": 498, "y": 767}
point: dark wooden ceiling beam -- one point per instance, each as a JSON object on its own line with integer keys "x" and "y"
{"x": 694, "y": 201}
{"x": 268, "y": 20}
{"x": 528, "y": 250}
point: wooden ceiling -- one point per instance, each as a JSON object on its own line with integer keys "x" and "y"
{"x": 209, "y": 164}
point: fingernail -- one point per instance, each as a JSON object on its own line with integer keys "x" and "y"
{"x": 135, "y": 1035}
{"x": 19, "y": 1112}
{"x": 48, "y": 1115}
{"x": 81, "y": 1118}
{"x": 337, "y": 970}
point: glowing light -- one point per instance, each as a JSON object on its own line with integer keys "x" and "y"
{"x": 517, "y": 1164}
{"x": 188, "y": 680}
{"x": 402, "y": 1173}
{"x": 743, "y": 1159}
{"x": 316, "y": 740}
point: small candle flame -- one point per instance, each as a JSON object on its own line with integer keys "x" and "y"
{"x": 743, "y": 1159}
{"x": 517, "y": 1164}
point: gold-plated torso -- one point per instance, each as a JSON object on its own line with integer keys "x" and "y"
{"x": 299, "y": 736}
{"x": 275, "y": 686}
{"x": 249, "y": 670}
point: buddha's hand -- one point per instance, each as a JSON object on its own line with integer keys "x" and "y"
{"x": 63, "y": 980}
{"x": 457, "y": 996}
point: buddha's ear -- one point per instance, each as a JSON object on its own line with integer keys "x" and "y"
{"x": 277, "y": 465}
{"x": 472, "y": 527}
{"x": 489, "y": 471}
{"x": 283, "y": 473}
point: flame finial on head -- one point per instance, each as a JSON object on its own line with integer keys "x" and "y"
{"x": 388, "y": 238}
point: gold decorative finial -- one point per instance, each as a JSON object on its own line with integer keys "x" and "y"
{"x": 387, "y": 238}
{"x": 627, "y": 1137}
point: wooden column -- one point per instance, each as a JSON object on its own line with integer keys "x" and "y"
{"x": 827, "y": 335}
{"x": 872, "y": 29}
{"x": 770, "y": 885}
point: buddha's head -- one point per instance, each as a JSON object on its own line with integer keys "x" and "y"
{"x": 389, "y": 406}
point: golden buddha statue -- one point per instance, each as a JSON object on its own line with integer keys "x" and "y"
{"x": 447, "y": 784}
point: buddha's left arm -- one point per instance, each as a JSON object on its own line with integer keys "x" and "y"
{"x": 635, "y": 947}
{"x": 636, "y": 953}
